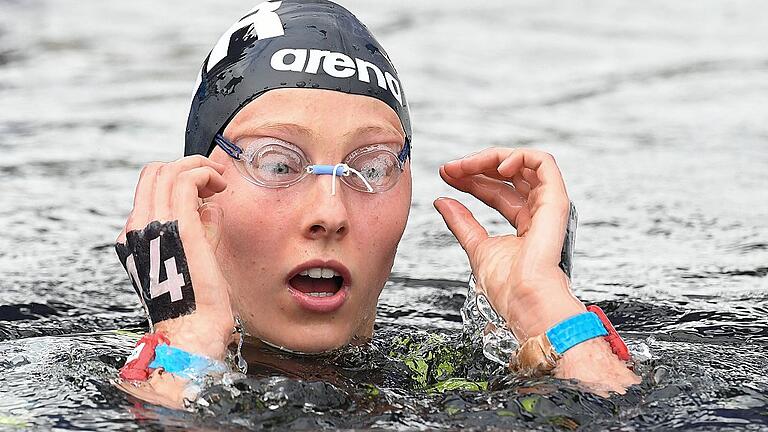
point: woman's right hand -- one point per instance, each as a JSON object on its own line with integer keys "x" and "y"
{"x": 173, "y": 192}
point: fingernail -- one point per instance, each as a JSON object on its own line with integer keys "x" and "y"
{"x": 503, "y": 165}
{"x": 210, "y": 214}
{"x": 210, "y": 217}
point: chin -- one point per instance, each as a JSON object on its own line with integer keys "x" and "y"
{"x": 313, "y": 338}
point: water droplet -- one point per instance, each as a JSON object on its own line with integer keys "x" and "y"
{"x": 372, "y": 48}
{"x": 301, "y": 84}
{"x": 19, "y": 360}
{"x": 660, "y": 374}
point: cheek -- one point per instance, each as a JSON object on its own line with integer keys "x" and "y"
{"x": 250, "y": 218}
{"x": 381, "y": 223}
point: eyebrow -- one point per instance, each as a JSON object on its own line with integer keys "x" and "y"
{"x": 289, "y": 129}
{"x": 373, "y": 130}
{"x": 292, "y": 129}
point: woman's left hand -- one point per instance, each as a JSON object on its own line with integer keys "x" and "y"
{"x": 520, "y": 273}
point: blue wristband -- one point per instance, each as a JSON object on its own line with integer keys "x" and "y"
{"x": 574, "y": 331}
{"x": 184, "y": 364}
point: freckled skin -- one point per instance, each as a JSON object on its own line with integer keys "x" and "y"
{"x": 268, "y": 232}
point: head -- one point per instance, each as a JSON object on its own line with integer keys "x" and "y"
{"x": 305, "y": 263}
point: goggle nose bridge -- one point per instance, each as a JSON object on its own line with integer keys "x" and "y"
{"x": 340, "y": 170}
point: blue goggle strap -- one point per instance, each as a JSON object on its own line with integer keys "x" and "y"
{"x": 405, "y": 153}
{"x": 230, "y": 148}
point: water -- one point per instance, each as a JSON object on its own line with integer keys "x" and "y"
{"x": 655, "y": 111}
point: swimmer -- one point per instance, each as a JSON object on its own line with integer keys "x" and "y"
{"x": 283, "y": 219}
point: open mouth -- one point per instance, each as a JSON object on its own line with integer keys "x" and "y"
{"x": 317, "y": 282}
{"x": 320, "y": 286}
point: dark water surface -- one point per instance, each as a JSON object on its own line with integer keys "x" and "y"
{"x": 656, "y": 112}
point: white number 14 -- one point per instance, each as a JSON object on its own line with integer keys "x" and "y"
{"x": 173, "y": 282}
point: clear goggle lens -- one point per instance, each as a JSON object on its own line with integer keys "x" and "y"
{"x": 273, "y": 165}
{"x": 278, "y": 164}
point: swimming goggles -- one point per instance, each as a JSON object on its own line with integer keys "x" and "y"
{"x": 273, "y": 163}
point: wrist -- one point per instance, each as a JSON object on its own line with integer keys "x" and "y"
{"x": 540, "y": 306}
{"x": 193, "y": 340}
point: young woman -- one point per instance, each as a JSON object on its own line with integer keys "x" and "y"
{"x": 286, "y": 213}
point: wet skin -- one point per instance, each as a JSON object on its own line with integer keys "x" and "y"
{"x": 356, "y": 232}
{"x": 247, "y": 242}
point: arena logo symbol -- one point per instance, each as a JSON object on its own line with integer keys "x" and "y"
{"x": 266, "y": 24}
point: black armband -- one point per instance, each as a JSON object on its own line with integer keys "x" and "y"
{"x": 157, "y": 266}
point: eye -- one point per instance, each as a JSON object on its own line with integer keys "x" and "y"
{"x": 274, "y": 164}
{"x": 378, "y": 166}
{"x": 277, "y": 164}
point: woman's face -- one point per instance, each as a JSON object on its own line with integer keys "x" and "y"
{"x": 306, "y": 267}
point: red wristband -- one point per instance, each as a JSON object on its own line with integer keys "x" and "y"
{"x": 617, "y": 343}
{"x": 137, "y": 364}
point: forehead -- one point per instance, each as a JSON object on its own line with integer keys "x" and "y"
{"x": 317, "y": 115}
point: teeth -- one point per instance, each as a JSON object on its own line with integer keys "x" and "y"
{"x": 319, "y": 294}
{"x": 319, "y": 273}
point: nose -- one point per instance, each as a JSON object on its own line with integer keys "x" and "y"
{"x": 326, "y": 215}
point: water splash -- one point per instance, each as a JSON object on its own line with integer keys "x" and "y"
{"x": 484, "y": 326}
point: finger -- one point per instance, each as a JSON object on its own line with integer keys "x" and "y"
{"x": 523, "y": 221}
{"x": 202, "y": 182}
{"x": 212, "y": 216}
{"x": 547, "y": 201}
{"x": 166, "y": 178}
{"x": 479, "y": 163}
{"x": 190, "y": 186}
{"x": 143, "y": 198}
{"x": 507, "y": 162}
{"x": 529, "y": 176}
{"x": 492, "y": 159}
{"x": 494, "y": 193}
{"x": 521, "y": 185}
{"x": 462, "y": 224}
{"x": 541, "y": 163}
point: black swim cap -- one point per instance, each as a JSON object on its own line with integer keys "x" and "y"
{"x": 289, "y": 44}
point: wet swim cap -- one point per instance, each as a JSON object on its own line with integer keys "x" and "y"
{"x": 289, "y": 44}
